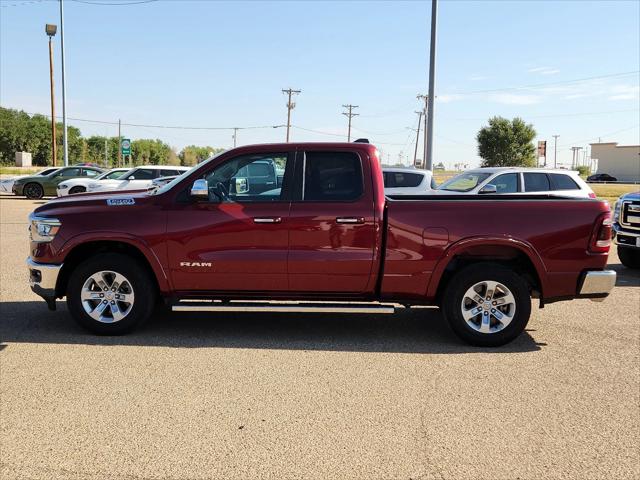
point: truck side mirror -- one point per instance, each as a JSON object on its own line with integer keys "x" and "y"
{"x": 200, "y": 189}
{"x": 488, "y": 188}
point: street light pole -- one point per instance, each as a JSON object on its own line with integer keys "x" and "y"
{"x": 51, "y": 31}
{"x": 555, "y": 150}
{"x": 432, "y": 79}
{"x": 65, "y": 143}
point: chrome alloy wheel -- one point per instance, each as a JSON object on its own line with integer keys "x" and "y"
{"x": 107, "y": 296}
{"x": 488, "y": 306}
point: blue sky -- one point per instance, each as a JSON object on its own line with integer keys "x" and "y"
{"x": 223, "y": 64}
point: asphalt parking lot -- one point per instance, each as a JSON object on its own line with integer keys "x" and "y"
{"x": 314, "y": 396}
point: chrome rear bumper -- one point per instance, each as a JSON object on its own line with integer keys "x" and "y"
{"x": 597, "y": 285}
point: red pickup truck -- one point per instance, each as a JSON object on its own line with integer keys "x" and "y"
{"x": 307, "y": 227}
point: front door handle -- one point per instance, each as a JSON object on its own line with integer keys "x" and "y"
{"x": 350, "y": 220}
{"x": 267, "y": 220}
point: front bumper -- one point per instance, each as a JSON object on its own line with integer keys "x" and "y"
{"x": 43, "y": 279}
{"x": 626, "y": 238}
{"x": 597, "y": 285}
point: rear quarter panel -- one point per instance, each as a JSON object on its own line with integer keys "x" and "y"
{"x": 425, "y": 235}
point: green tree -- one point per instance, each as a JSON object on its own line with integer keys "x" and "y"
{"x": 192, "y": 154}
{"x": 150, "y": 152}
{"x": 505, "y": 143}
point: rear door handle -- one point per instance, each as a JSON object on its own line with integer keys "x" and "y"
{"x": 267, "y": 220}
{"x": 350, "y": 220}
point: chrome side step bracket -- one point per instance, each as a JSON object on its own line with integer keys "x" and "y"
{"x": 278, "y": 306}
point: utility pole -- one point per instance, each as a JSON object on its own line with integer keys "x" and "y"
{"x": 235, "y": 136}
{"x": 555, "y": 151}
{"x": 415, "y": 154}
{"x": 106, "y": 160}
{"x": 426, "y": 105}
{"x": 350, "y": 115}
{"x": 51, "y": 31}
{"x": 119, "y": 145}
{"x": 65, "y": 143}
{"x": 432, "y": 80}
{"x": 575, "y": 156}
{"x": 290, "y": 106}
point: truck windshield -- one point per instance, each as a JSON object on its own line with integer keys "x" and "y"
{"x": 464, "y": 182}
{"x": 178, "y": 179}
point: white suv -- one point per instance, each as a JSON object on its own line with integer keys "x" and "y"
{"x": 407, "y": 181}
{"x": 517, "y": 181}
{"x": 139, "y": 178}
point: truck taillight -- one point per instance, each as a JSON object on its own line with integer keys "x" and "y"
{"x": 602, "y": 233}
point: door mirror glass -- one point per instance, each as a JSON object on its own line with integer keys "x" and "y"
{"x": 200, "y": 189}
{"x": 488, "y": 188}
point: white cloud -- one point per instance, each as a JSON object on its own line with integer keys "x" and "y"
{"x": 515, "y": 99}
{"x": 625, "y": 92}
{"x": 447, "y": 98}
{"x": 476, "y": 78}
{"x": 544, "y": 70}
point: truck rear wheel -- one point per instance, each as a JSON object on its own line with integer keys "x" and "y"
{"x": 629, "y": 256}
{"x": 110, "y": 294}
{"x": 487, "y": 304}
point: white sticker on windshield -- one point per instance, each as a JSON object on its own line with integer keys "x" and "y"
{"x": 120, "y": 201}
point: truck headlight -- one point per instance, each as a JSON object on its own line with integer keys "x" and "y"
{"x": 43, "y": 229}
{"x": 616, "y": 210}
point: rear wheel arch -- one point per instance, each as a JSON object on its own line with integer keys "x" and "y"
{"x": 511, "y": 256}
{"x": 85, "y": 250}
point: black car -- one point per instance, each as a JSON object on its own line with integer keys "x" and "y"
{"x": 601, "y": 177}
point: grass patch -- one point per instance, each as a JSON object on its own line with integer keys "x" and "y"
{"x": 19, "y": 170}
{"x": 611, "y": 191}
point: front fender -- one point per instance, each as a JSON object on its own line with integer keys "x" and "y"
{"x": 464, "y": 244}
{"x": 136, "y": 242}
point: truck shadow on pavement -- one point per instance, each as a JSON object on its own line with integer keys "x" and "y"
{"x": 626, "y": 276}
{"x": 416, "y": 331}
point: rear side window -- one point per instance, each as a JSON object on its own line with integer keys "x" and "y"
{"x": 563, "y": 182}
{"x": 401, "y": 179}
{"x": 536, "y": 182}
{"x": 506, "y": 183}
{"x": 332, "y": 177}
{"x": 90, "y": 173}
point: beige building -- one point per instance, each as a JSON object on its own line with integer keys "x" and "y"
{"x": 620, "y": 161}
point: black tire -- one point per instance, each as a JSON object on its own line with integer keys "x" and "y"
{"x": 140, "y": 282}
{"x": 465, "y": 279}
{"x": 629, "y": 257}
{"x": 75, "y": 190}
{"x": 33, "y": 191}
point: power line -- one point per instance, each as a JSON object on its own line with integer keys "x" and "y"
{"x": 176, "y": 127}
{"x": 599, "y": 136}
{"x": 20, "y": 4}
{"x": 539, "y": 85}
{"x": 114, "y": 4}
{"x": 554, "y": 115}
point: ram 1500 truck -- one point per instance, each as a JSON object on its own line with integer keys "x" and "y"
{"x": 326, "y": 239}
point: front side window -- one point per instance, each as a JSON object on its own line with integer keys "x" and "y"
{"x": 249, "y": 178}
{"x": 113, "y": 175}
{"x": 465, "y": 182}
{"x": 506, "y": 183}
{"x": 90, "y": 173}
{"x": 332, "y": 177}
{"x": 536, "y": 182}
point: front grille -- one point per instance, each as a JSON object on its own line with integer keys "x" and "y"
{"x": 630, "y": 214}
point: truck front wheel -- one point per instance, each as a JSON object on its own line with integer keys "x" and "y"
{"x": 487, "y": 304}
{"x": 110, "y": 294}
{"x": 629, "y": 256}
